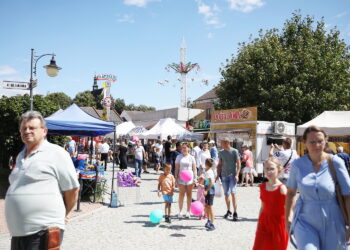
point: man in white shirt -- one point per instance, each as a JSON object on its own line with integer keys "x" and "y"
{"x": 286, "y": 155}
{"x": 104, "y": 148}
{"x": 139, "y": 153}
{"x": 196, "y": 150}
{"x": 43, "y": 187}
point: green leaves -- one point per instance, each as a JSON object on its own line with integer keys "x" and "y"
{"x": 292, "y": 75}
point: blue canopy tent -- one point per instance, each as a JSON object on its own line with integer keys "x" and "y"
{"x": 74, "y": 121}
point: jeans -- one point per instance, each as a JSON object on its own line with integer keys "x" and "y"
{"x": 138, "y": 167}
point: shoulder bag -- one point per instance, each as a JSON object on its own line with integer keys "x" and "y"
{"x": 340, "y": 197}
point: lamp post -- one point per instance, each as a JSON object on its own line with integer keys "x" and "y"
{"x": 51, "y": 70}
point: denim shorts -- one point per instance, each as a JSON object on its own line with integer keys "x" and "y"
{"x": 168, "y": 198}
{"x": 209, "y": 199}
{"x": 229, "y": 184}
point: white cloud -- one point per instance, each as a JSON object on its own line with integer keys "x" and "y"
{"x": 211, "y": 14}
{"x": 138, "y": 3}
{"x": 341, "y": 14}
{"x": 7, "y": 70}
{"x": 245, "y": 5}
{"x": 126, "y": 19}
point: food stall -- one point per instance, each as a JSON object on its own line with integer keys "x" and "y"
{"x": 242, "y": 127}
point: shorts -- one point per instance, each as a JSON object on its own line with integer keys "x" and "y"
{"x": 168, "y": 198}
{"x": 156, "y": 160}
{"x": 229, "y": 184}
{"x": 209, "y": 199}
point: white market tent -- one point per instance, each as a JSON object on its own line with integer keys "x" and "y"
{"x": 123, "y": 128}
{"x": 168, "y": 126}
{"x": 332, "y": 122}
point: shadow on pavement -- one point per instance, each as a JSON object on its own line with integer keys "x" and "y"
{"x": 150, "y": 203}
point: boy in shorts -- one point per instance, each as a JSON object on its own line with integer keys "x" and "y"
{"x": 166, "y": 185}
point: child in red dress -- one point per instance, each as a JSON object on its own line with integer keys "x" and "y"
{"x": 271, "y": 231}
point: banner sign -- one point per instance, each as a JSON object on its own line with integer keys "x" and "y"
{"x": 235, "y": 115}
{"x": 106, "y": 77}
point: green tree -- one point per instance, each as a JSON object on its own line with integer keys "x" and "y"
{"x": 292, "y": 75}
{"x": 85, "y": 99}
{"x": 61, "y": 100}
{"x": 119, "y": 105}
{"x": 11, "y": 109}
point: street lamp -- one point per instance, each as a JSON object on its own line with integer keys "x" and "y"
{"x": 51, "y": 70}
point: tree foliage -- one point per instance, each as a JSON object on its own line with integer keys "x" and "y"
{"x": 60, "y": 99}
{"x": 292, "y": 75}
{"x": 11, "y": 109}
{"x": 85, "y": 99}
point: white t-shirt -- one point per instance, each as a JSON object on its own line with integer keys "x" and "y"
{"x": 209, "y": 174}
{"x": 186, "y": 162}
{"x": 196, "y": 156}
{"x": 34, "y": 199}
{"x": 283, "y": 156}
{"x": 203, "y": 155}
{"x": 139, "y": 153}
{"x": 104, "y": 148}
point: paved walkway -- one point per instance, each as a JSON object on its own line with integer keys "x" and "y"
{"x": 128, "y": 226}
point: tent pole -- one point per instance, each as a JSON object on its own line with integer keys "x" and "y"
{"x": 112, "y": 189}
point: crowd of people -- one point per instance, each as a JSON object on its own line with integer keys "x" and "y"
{"x": 44, "y": 186}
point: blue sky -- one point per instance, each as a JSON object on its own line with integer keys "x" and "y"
{"x": 136, "y": 39}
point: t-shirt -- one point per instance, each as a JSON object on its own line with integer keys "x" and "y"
{"x": 139, "y": 151}
{"x": 71, "y": 146}
{"x": 203, "y": 155}
{"x": 104, "y": 148}
{"x": 186, "y": 162}
{"x": 214, "y": 153}
{"x": 34, "y": 199}
{"x": 228, "y": 159}
{"x": 209, "y": 174}
{"x": 283, "y": 156}
{"x": 167, "y": 184}
{"x": 167, "y": 146}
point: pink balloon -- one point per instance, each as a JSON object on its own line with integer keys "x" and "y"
{"x": 186, "y": 175}
{"x": 136, "y": 139}
{"x": 197, "y": 208}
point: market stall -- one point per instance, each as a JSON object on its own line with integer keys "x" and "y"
{"x": 74, "y": 121}
{"x": 168, "y": 126}
{"x": 335, "y": 123}
{"x": 242, "y": 127}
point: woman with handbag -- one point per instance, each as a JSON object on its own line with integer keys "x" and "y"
{"x": 318, "y": 221}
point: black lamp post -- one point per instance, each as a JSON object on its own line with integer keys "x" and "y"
{"x": 51, "y": 70}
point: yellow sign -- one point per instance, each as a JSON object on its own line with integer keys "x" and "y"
{"x": 235, "y": 115}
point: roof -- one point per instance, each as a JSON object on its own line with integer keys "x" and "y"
{"x": 97, "y": 113}
{"x": 74, "y": 121}
{"x": 207, "y": 96}
{"x": 332, "y": 122}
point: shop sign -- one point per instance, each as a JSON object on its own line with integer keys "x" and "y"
{"x": 106, "y": 77}
{"x": 235, "y": 115}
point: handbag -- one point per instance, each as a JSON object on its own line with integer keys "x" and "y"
{"x": 340, "y": 197}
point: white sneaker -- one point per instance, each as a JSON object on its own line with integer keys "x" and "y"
{"x": 180, "y": 216}
{"x": 188, "y": 215}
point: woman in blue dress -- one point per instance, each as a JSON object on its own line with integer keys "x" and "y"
{"x": 317, "y": 222}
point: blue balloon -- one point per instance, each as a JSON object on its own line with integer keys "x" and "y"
{"x": 156, "y": 216}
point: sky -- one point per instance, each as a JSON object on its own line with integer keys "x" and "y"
{"x": 136, "y": 39}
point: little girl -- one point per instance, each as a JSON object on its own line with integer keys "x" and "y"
{"x": 200, "y": 193}
{"x": 271, "y": 231}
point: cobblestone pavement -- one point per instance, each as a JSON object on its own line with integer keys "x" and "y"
{"x": 128, "y": 226}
